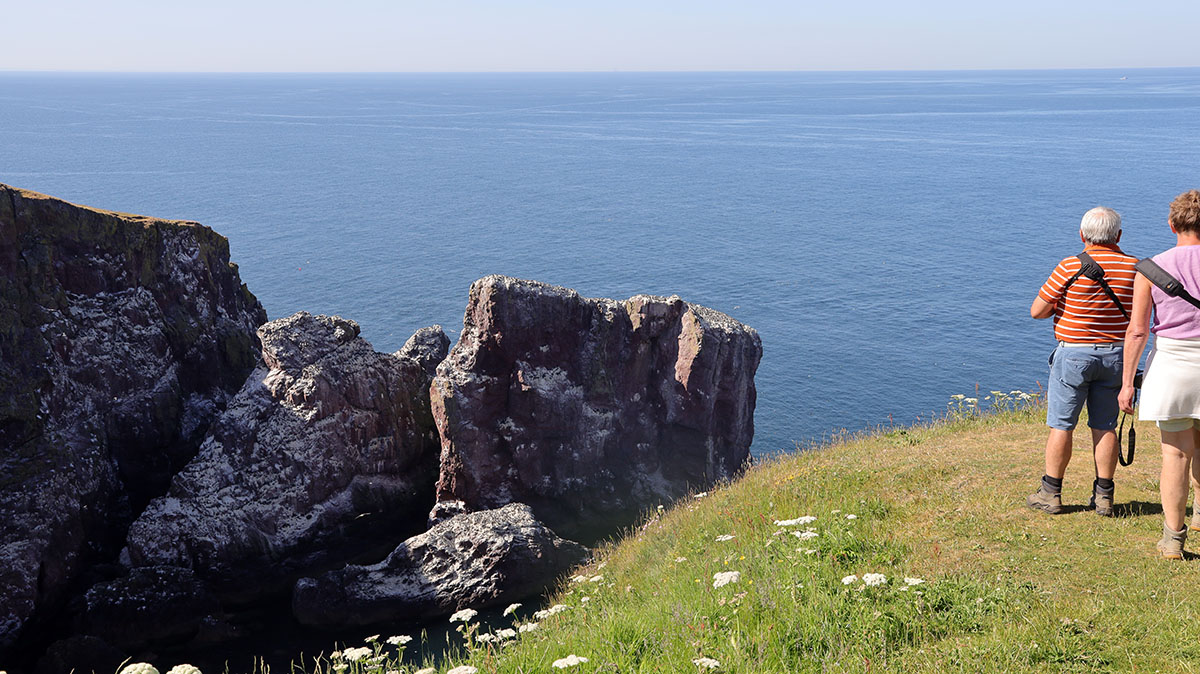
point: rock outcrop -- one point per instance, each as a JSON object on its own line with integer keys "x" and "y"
{"x": 590, "y": 410}
{"x": 473, "y": 560}
{"x": 327, "y": 452}
{"x": 121, "y": 337}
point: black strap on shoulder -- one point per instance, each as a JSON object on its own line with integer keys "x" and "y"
{"x": 1090, "y": 268}
{"x": 1165, "y": 282}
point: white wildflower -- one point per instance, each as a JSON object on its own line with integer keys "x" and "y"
{"x": 680, "y": 560}
{"x": 336, "y": 655}
{"x": 399, "y": 640}
{"x": 552, "y": 611}
{"x": 849, "y": 579}
{"x": 585, "y": 600}
{"x": 971, "y": 401}
{"x": 706, "y": 663}
{"x": 527, "y": 627}
{"x": 371, "y": 639}
{"x": 808, "y": 534}
{"x": 569, "y": 661}
{"x": 506, "y": 633}
{"x": 913, "y": 581}
{"x": 835, "y": 511}
{"x": 957, "y": 396}
{"x": 723, "y": 578}
{"x": 874, "y": 579}
{"x": 464, "y": 616}
{"x": 806, "y": 519}
{"x": 808, "y": 551}
{"x": 485, "y": 638}
{"x": 595, "y": 579}
{"x": 851, "y": 517}
{"x": 579, "y": 579}
{"x": 139, "y": 668}
{"x": 356, "y": 654}
{"x": 463, "y": 669}
{"x": 702, "y": 494}
{"x": 512, "y": 608}
{"x": 178, "y": 669}
{"x": 725, "y": 537}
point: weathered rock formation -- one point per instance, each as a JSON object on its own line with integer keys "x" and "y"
{"x": 151, "y": 605}
{"x": 328, "y": 451}
{"x": 121, "y": 337}
{"x": 473, "y": 560}
{"x": 590, "y": 409}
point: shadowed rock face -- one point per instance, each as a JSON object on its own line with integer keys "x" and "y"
{"x": 473, "y": 560}
{"x": 121, "y": 337}
{"x": 328, "y": 451}
{"x": 590, "y": 409}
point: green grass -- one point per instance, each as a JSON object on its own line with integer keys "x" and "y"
{"x": 1005, "y": 589}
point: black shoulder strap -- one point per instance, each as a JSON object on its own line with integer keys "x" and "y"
{"x": 1165, "y": 282}
{"x": 1090, "y": 268}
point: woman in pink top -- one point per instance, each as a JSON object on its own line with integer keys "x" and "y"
{"x": 1171, "y": 390}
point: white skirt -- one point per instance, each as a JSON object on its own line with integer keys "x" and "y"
{"x": 1171, "y": 386}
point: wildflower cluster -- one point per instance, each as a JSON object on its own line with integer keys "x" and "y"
{"x": 999, "y": 401}
{"x": 147, "y": 668}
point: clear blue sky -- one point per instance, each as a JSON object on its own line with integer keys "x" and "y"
{"x": 523, "y": 35}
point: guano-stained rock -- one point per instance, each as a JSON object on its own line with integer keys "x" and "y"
{"x": 121, "y": 337}
{"x": 474, "y": 560}
{"x": 590, "y": 410}
{"x": 328, "y": 451}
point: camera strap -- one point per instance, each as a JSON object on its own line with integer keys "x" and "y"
{"x": 1090, "y": 268}
{"x": 1137, "y": 388}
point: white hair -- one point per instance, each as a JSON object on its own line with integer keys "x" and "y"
{"x": 1100, "y": 225}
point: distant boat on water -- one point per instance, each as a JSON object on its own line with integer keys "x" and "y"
{"x": 1124, "y": 78}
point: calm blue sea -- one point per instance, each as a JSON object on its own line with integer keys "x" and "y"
{"x": 885, "y": 232}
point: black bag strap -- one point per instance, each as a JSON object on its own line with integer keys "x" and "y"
{"x": 1165, "y": 282}
{"x": 1090, "y": 268}
{"x": 1132, "y": 441}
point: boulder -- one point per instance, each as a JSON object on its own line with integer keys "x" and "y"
{"x": 473, "y": 560}
{"x": 329, "y": 451}
{"x": 121, "y": 338}
{"x": 590, "y": 410}
{"x": 149, "y": 607}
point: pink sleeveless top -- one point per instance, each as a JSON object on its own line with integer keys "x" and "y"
{"x": 1175, "y": 318}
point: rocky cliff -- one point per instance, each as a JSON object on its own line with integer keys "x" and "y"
{"x": 146, "y": 408}
{"x": 590, "y": 410}
{"x": 328, "y": 451}
{"x": 121, "y": 338}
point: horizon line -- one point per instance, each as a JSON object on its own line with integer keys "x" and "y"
{"x": 65, "y": 71}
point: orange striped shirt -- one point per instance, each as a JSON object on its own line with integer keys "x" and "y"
{"x": 1086, "y": 314}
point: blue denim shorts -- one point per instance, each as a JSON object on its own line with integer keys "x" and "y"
{"x": 1084, "y": 374}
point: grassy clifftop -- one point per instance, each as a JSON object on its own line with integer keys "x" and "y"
{"x": 1003, "y": 588}
{"x": 902, "y": 551}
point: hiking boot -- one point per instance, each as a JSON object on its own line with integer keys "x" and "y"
{"x": 1045, "y": 500}
{"x": 1195, "y": 525}
{"x": 1171, "y": 545}
{"x": 1102, "y": 501}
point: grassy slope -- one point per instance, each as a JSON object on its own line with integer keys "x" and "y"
{"x": 1006, "y": 589}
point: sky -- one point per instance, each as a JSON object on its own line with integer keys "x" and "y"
{"x": 590, "y": 35}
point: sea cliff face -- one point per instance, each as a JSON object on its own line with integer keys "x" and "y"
{"x": 169, "y": 459}
{"x": 121, "y": 337}
{"x": 591, "y": 410}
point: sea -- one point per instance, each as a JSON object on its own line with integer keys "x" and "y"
{"x": 885, "y": 232}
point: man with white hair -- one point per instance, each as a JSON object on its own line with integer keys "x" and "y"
{"x": 1089, "y": 295}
